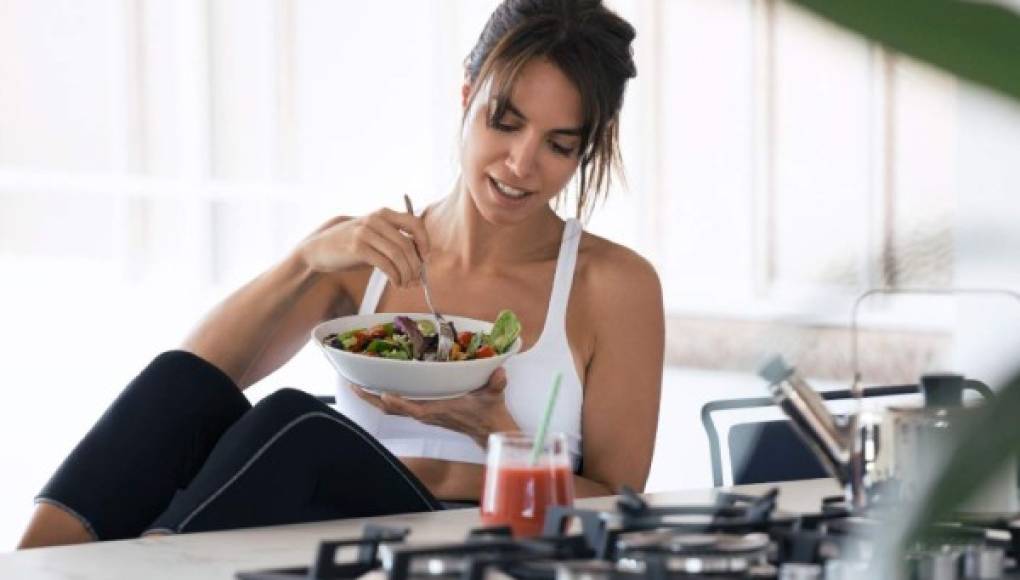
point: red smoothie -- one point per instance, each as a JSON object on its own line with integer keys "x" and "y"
{"x": 519, "y": 495}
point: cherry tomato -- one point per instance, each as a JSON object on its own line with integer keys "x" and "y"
{"x": 464, "y": 339}
{"x": 362, "y": 340}
{"x": 484, "y": 352}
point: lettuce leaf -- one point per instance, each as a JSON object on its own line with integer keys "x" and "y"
{"x": 476, "y": 341}
{"x": 414, "y": 336}
{"x": 505, "y": 331}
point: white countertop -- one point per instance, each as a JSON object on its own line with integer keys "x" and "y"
{"x": 221, "y": 554}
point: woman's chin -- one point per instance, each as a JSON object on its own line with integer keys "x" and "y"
{"x": 497, "y": 217}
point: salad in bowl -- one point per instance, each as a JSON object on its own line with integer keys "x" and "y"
{"x": 408, "y": 339}
{"x": 396, "y": 352}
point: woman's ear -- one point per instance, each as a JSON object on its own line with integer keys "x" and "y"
{"x": 465, "y": 92}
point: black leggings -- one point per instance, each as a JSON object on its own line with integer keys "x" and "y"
{"x": 182, "y": 450}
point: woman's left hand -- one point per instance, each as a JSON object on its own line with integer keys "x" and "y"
{"x": 476, "y": 414}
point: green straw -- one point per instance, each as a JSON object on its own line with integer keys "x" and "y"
{"x": 536, "y": 450}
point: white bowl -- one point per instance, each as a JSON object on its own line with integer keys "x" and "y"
{"x": 410, "y": 379}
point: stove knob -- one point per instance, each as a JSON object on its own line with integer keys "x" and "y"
{"x": 983, "y": 562}
{"x": 798, "y": 571}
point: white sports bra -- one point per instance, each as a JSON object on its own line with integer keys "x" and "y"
{"x": 530, "y": 376}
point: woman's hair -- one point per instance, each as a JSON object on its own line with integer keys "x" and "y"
{"x": 590, "y": 44}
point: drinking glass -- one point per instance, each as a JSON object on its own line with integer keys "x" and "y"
{"x": 518, "y": 488}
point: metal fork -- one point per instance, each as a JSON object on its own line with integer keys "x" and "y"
{"x": 444, "y": 328}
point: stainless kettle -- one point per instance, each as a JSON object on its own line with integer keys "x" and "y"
{"x": 888, "y": 455}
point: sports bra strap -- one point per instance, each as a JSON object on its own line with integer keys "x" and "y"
{"x": 563, "y": 280}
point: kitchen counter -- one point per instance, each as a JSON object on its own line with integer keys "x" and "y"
{"x": 221, "y": 554}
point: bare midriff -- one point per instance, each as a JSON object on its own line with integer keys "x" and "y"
{"x": 448, "y": 480}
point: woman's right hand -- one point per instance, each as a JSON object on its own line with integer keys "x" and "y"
{"x": 377, "y": 239}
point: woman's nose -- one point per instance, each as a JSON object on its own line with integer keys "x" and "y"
{"x": 523, "y": 155}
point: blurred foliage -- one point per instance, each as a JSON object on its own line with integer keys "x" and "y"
{"x": 977, "y": 41}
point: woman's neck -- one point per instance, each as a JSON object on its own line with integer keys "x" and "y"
{"x": 466, "y": 241}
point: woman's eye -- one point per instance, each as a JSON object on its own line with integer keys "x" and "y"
{"x": 502, "y": 126}
{"x": 560, "y": 149}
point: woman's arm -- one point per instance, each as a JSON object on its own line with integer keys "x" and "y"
{"x": 263, "y": 324}
{"x": 624, "y": 376}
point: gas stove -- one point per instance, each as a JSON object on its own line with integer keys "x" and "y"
{"x": 736, "y": 537}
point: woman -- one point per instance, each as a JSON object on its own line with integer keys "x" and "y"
{"x": 182, "y": 450}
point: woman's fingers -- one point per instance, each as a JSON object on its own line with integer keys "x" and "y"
{"x": 496, "y": 382}
{"x": 363, "y": 394}
{"x": 395, "y": 405}
{"x": 380, "y": 260}
{"x": 406, "y": 245}
{"x": 387, "y": 403}
{"x": 372, "y": 239}
{"x": 385, "y": 239}
{"x": 411, "y": 224}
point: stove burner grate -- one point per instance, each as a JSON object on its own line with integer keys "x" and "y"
{"x": 736, "y": 537}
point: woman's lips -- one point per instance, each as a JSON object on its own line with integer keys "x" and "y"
{"x": 505, "y": 199}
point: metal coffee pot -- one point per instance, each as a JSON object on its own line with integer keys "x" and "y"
{"x": 888, "y": 455}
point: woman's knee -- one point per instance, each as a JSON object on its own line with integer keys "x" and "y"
{"x": 291, "y": 400}
{"x": 52, "y": 525}
{"x": 284, "y": 406}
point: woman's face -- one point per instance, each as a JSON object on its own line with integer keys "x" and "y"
{"x": 514, "y": 167}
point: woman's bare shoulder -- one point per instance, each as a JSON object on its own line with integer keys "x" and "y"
{"x": 618, "y": 310}
{"x": 611, "y": 271}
